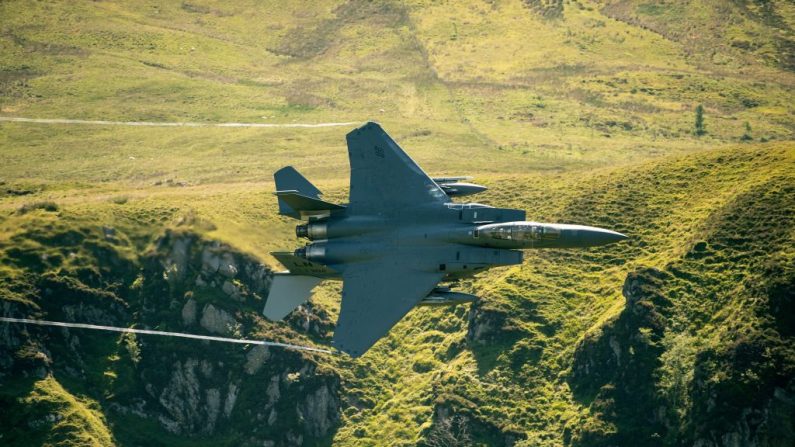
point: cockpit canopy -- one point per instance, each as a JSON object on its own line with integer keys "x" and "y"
{"x": 524, "y": 231}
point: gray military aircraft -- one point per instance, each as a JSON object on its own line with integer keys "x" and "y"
{"x": 399, "y": 236}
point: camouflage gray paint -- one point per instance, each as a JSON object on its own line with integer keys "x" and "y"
{"x": 399, "y": 236}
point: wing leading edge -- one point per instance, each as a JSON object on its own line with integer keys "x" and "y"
{"x": 375, "y": 296}
{"x": 383, "y": 176}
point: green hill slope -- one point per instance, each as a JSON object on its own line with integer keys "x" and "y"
{"x": 551, "y": 354}
{"x": 547, "y": 344}
{"x": 577, "y": 111}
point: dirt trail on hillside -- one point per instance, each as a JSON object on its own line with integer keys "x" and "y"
{"x": 165, "y": 124}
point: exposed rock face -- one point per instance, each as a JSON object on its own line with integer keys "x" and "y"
{"x": 211, "y": 262}
{"x": 11, "y": 337}
{"x": 741, "y": 394}
{"x": 231, "y": 398}
{"x": 196, "y": 401}
{"x": 255, "y": 358}
{"x": 228, "y": 266}
{"x": 199, "y": 395}
{"x": 190, "y": 262}
{"x": 175, "y": 264}
{"x": 218, "y": 321}
{"x": 598, "y": 359}
{"x": 28, "y": 351}
{"x": 318, "y": 411}
{"x": 232, "y": 290}
{"x": 189, "y": 313}
{"x": 187, "y": 387}
{"x": 306, "y": 318}
{"x": 181, "y": 399}
{"x": 752, "y": 401}
{"x": 460, "y": 424}
{"x": 487, "y": 325}
{"x": 614, "y": 369}
{"x": 20, "y": 353}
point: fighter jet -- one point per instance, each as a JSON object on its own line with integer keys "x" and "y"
{"x": 399, "y": 236}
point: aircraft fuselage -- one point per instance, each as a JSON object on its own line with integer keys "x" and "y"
{"x": 459, "y": 239}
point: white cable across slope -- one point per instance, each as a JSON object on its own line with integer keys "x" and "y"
{"x": 164, "y": 333}
{"x": 17, "y": 119}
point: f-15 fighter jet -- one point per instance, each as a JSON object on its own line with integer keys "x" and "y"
{"x": 397, "y": 239}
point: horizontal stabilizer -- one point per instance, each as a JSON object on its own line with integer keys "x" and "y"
{"x": 302, "y": 266}
{"x": 287, "y": 179}
{"x": 297, "y": 205}
{"x": 288, "y": 292}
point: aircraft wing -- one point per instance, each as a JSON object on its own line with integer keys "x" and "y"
{"x": 375, "y": 296}
{"x": 383, "y": 177}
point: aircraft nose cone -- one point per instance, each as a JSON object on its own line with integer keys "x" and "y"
{"x": 583, "y": 236}
{"x": 601, "y": 236}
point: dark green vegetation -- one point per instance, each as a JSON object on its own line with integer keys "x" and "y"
{"x": 699, "y": 127}
{"x": 68, "y": 268}
{"x": 577, "y": 111}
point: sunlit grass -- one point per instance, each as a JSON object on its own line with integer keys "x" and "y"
{"x": 581, "y": 117}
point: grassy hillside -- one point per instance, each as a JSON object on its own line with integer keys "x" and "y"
{"x": 578, "y": 111}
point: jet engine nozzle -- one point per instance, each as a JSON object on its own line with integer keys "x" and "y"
{"x": 301, "y": 231}
{"x": 313, "y": 231}
{"x": 311, "y": 252}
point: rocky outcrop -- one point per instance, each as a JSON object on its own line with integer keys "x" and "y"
{"x": 751, "y": 402}
{"x": 189, "y": 262}
{"x": 189, "y": 388}
{"x": 311, "y": 320}
{"x": 20, "y": 352}
{"x": 319, "y": 411}
{"x": 484, "y": 325}
{"x": 287, "y": 397}
{"x": 488, "y": 325}
{"x": 459, "y": 422}
{"x": 222, "y": 291}
{"x": 218, "y": 321}
{"x": 606, "y": 356}
{"x": 741, "y": 392}
{"x": 181, "y": 400}
{"x": 614, "y": 369}
{"x": 189, "y": 312}
{"x": 256, "y": 358}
